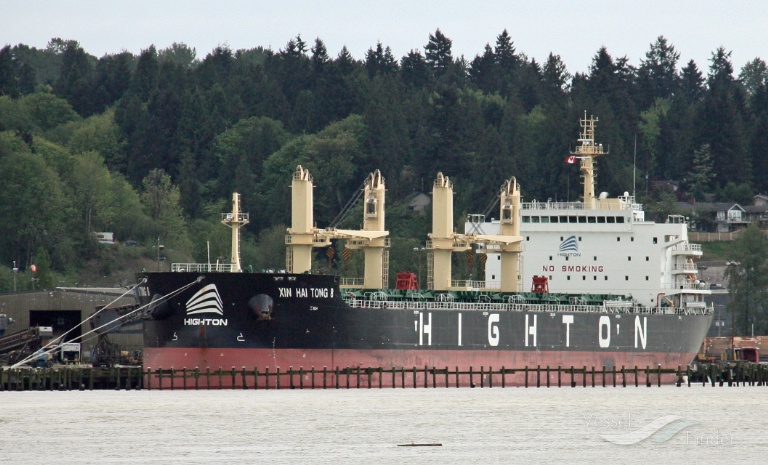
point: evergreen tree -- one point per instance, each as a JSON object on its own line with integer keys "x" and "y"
{"x": 758, "y": 137}
{"x": 657, "y": 75}
{"x": 720, "y": 122}
{"x": 753, "y": 75}
{"x": 73, "y": 83}
{"x": 8, "y": 81}
{"x": 380, "y": 61}
{"x": 748, "y": 282}
{"x": 554, "y": 82}
{"x": 144, "y": 79}
{"x": 437, "y": 53}
{"x": 701, "y": 176}
{"x": 414, "y": 70}
{"x": 692, "y": 82}
{"x": 482, "y": 70}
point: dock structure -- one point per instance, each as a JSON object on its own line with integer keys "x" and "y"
{"x": 68, "y": 378}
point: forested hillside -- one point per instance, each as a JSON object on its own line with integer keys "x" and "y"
{"x": 151, "y": 147}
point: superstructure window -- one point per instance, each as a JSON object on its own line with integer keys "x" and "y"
{"x": 582, "y": 219}
{"x": 601, "y": 219}
{"x": 591, "y": 219}
{"x": 619, "y": 219}
{"x": 611, "y": 219}
{"x": 553, "y": 219}
{"x": 526, "y": 219}
{"x": 534, "y": 219}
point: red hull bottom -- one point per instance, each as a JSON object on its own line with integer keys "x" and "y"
{"x": 223, "y": 368}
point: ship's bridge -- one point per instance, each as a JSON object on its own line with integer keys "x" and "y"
{"x": 615, "y": 210}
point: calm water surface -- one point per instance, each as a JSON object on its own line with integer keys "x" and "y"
{"x": 517, "y": 425}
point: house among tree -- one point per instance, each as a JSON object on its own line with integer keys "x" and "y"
{"x": 419, "y": 202}
{"x": 726, "y": 216}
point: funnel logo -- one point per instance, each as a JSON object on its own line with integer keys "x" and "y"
{"x": 206, "y": 300}
{"x": 569, "y": 248}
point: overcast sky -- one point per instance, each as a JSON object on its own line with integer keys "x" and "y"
{"x": 573, "y": 29}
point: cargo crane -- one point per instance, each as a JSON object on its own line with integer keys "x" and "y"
{"x": 22, "y": 344}
{"x": 111, "y": 320}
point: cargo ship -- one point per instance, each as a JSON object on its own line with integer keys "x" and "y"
{"x": 211, "y": 316}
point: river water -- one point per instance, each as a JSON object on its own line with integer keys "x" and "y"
{"x": 642, "y": 425}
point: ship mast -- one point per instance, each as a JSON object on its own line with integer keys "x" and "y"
{"x": 587, "y": 151}
{"x": 235, "y": 220}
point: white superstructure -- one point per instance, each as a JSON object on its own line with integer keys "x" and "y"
{"x": 601, "y": 245}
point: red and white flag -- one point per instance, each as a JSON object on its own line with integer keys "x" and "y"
{"x": 571, "y": 159}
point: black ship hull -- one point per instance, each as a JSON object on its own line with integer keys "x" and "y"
{"x": 281, "y": 321}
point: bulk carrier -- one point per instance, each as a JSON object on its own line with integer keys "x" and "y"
{"x": 625, "y": 291}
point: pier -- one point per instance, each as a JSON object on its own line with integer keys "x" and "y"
{"x": 69, "y": 378}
